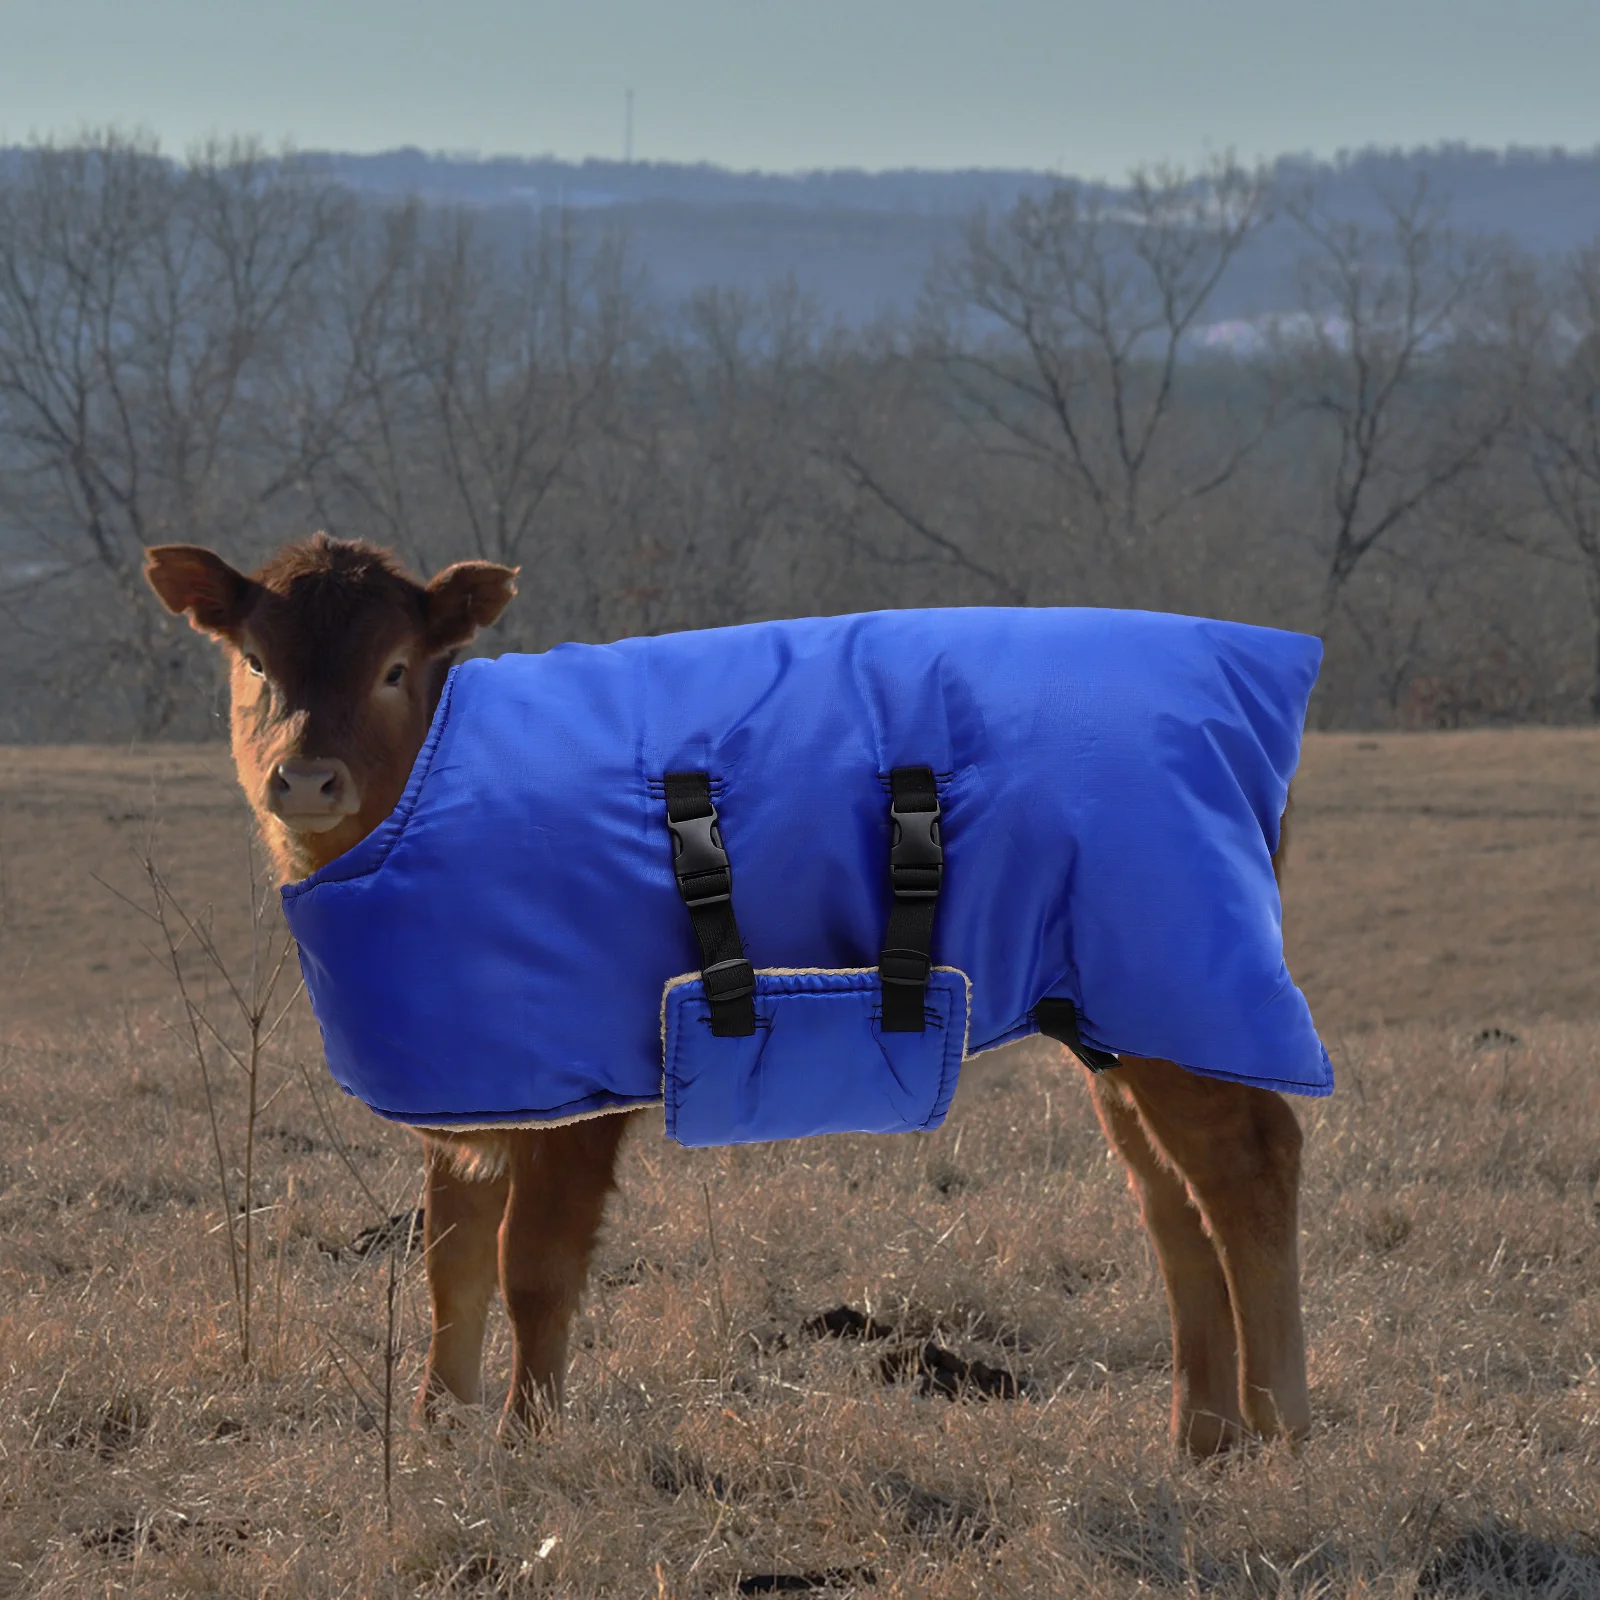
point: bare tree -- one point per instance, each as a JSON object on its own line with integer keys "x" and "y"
{"x": 471, "y": 379}
{"x": 740, "y": 495}
{"x": 140, "y": 305}
{"x": 917, "y": 525}
{"x": 1396, "y": 371}
{"x": 1563, "y": 433}
{"x": 1064, "y": 324}
{"x": 232, "y": 350}
{"x": 516, "y": 366}
{"x": 341, "y": 409}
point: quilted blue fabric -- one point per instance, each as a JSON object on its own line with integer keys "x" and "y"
{"x": 1111, "y": 782}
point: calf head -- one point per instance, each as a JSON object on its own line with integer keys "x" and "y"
{"x": 337, "y": 660}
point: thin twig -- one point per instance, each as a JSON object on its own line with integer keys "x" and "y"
{"x": 390, "y": 1356}
{"x": 716, "y": 1262}
{"x": 197, "y": 1045}
{"x": 336, "y": 1139}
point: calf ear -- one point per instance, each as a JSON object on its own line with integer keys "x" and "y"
{"x": 190, "y": 578}
{"x": 463, "y": 598}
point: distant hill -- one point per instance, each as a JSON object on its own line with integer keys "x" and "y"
{"x": 862, "y": 241}
{"x": 506, "y": 180}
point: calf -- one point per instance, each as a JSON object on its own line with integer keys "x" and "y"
{"x": 337, "y": 660}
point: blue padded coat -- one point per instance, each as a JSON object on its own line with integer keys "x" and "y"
{"x": 510, "y": 947}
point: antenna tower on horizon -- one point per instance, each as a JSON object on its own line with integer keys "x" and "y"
{"x": 627, "y": 130}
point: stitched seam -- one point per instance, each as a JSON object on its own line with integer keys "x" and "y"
{"x": 948, "y": 1078}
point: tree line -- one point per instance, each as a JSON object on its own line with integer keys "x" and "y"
{"x": 234, "y": 350}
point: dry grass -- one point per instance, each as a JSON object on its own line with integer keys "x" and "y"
{"x": 1452, "y": 1262}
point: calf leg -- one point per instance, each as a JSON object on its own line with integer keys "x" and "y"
{"x": 1238, "y": 1149}
{"x": 460, "y": 1218}
{"x": 1205, "y": 1356}
{"x": 559, "y": 1181}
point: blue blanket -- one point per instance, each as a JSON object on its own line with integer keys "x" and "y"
{"x": 503, "y": 948}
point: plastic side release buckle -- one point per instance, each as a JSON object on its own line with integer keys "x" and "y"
{"x": 916, "y": 856}
{"x": 699, "y": 862}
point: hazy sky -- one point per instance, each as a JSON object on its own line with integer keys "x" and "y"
{"x": 1090, "y": 88}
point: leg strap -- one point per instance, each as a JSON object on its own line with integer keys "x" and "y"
{"x": 1058, "y": 1020}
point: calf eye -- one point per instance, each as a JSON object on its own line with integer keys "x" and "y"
{"x": 254, "y": 664}
{"x": 395, "y": 673}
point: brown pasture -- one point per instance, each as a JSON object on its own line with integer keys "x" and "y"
{"x": 1443, "y": 914}
{"x": 1434, "y": 878}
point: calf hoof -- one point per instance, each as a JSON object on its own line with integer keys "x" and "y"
{"x": 1204, "y": 1435}
{"x": 437, "y": 1406}
{"x": 1288, "y": 1423}
{"x": 529, "y": 1414}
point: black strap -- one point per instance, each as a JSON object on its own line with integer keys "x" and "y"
{"x": 1058, "y": 1020}
{"x": 705, "y": 880}
{"x": 916, "y": 871}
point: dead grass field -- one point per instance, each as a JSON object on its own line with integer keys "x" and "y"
{"x": 1444, "y": 916}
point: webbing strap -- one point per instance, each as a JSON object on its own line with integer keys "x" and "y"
{"x": 1058, "y": 1020}
{"x": 705, "y": 880}
{"x": 916, "y": 871}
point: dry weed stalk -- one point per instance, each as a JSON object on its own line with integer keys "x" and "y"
{"x": 393, "y": 1345}
{"x": 5, "y": 882}
{"x": 724, "y": 1325}
{"x": 254, "y": 1000}
{"x": 259, "y": 1011}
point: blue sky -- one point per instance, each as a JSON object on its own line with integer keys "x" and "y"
{"x": 1086, "y": 88}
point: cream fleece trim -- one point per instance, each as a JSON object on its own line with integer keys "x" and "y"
{"x": 989, "y": 1049}
{"x": 543, "y": 1122}
{"x": 666, "y": 988}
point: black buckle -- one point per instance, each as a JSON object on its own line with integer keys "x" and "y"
{"x": 699, "y": 862}
{"x": 728, "y": 980}
{"x": 910, "y": 967}
{"x": 916, "y": 855}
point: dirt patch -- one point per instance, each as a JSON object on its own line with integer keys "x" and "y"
{"x": 918, "y": 1355}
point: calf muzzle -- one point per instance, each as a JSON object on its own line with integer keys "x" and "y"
{"x": 312, "y": 796}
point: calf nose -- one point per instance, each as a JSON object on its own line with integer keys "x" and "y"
{"x": 311, "y": 789}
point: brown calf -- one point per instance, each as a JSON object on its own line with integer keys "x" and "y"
{"x": 337, "y": 662}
